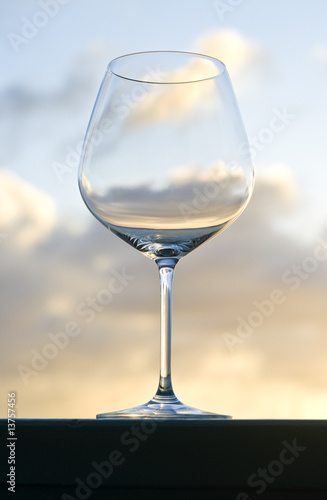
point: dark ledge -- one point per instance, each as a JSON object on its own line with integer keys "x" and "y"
{"x": 100, "y": 459}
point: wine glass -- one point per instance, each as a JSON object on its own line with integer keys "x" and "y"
{"x": 165, "y": 167}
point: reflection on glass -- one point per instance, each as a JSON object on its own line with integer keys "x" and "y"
{"x": 163, "y": 168}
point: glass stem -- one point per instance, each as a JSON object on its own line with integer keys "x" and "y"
{"x": 166, "y": 273}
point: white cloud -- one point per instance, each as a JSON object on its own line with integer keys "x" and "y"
{"x": 319, "y": 52}
{"x": 280, "y": 178}
{"x": 213, "y": 287}
{"x": 27, "y": 214}
{"x": 232, "y": 48}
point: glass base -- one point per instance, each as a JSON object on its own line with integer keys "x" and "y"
{"x": 164, "y": 407}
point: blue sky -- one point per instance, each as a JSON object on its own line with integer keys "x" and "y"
{"x": 286, "y": 33}
{"x": 54, "y": 254}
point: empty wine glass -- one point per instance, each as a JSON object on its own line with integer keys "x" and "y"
{"x": 164, "y": 167}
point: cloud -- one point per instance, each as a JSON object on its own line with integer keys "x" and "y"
{"x": 279, "y": 178}
{"x": 27, "y": 214}
{"x": 154, "y": 103}
{"x": 44, "y": 122}
{"x": 116, "y": 351}
{"x": 319, "y": 52}
{"x": 232, "y": 48}
{"x": 198, "y": 198}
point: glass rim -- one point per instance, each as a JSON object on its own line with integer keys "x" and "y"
{"x": 220, "y": 66}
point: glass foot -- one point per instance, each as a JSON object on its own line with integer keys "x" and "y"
{"x": 164, "y": 407}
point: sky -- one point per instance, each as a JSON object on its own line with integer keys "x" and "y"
{"x": 249, "y": 320}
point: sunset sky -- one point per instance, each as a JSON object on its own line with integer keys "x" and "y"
{"x": 250, "y": 321}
